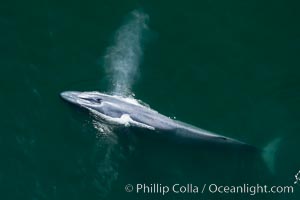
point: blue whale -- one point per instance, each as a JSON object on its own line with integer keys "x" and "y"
{"x": 125, "y": 111}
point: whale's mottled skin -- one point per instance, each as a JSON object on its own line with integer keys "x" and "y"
{"x": 129, "y": 112}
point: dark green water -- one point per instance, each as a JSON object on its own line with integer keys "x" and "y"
{"x": 231, "y": 67}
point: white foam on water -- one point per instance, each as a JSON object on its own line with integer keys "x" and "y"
{"x": 123, "y": 58}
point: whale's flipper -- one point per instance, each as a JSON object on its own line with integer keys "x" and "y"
{"x": 127, "y": 121}
{"x": 269, "y": 153}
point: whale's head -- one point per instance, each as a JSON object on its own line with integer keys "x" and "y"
{"x": 91, "y": 100}
{"x": 110, "y": 108}
{"x": 102, "y": 104}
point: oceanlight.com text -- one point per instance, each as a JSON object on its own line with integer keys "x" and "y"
{"x": 163, "y": 189}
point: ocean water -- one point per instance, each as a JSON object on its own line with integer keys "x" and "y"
{"x": 229, "y": 67}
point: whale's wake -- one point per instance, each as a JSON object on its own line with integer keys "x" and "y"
{"x": 122, "y": 59}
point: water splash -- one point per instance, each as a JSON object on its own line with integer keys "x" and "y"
{"x": 123, "y": 58}
{"x": 109, "y": 155}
